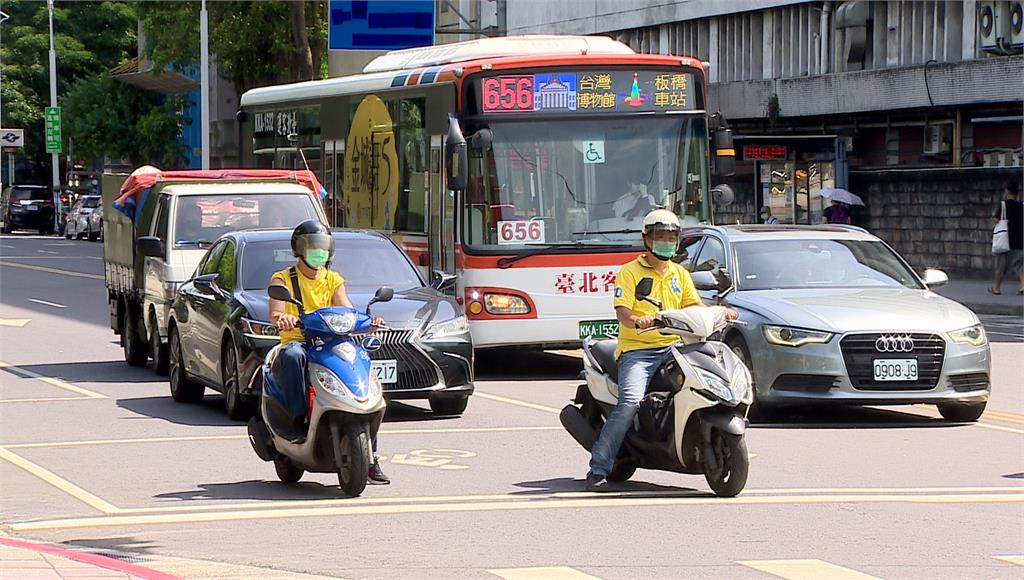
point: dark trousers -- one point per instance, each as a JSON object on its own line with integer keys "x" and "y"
{"x": 291, "y": 376}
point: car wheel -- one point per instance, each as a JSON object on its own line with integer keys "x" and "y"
{"x": 157, "y": 350}
{"x": 93, "y": 236}
{"x": 136, "y": 351}
{"x": 448, "y": 404}
{"x": 237, "y": 407}
{"x": 961, "y": 413}
{"x": 739, "y": 348}
{"x": 182, "y": 389}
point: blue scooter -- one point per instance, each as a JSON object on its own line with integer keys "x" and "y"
{"x": 346, "y": 403}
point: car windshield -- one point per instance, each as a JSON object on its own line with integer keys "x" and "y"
{"x": 813, "y": 263}
{"x": 365, "y": 263}
{"x": 583, "y": 181}
{"x": 201, "y": 219}
{"x": 30, "y": 193}
{"x": 91, "y": 202}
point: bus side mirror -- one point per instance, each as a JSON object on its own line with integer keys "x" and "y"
{"x": 456, "y": 156}
{"x": 723, "y": 152}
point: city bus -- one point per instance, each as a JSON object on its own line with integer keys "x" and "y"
{"x": 522, "y": 166}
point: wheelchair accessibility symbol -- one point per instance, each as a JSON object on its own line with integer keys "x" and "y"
{"x": 594, "y": 152}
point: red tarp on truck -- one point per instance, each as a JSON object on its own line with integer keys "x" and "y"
{"x": 138, "y": 184}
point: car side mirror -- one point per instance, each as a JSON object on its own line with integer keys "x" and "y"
{"x": 935, "y": 278}
{"x": 150, "y": 246}
{"x": 279, "y": 292}
{"x": 442, "y": 282}
{"x": 704, "y": 280}
{"x": 205, "y": 282}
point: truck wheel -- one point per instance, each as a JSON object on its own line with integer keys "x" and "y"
{"x": 135, "y": 348}
{"x": 157, "y": 350}
{"x": 182, "y": 389}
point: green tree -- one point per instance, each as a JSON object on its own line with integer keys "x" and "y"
{"x": 90, "y": 38}
{"x": 107, "y": 117}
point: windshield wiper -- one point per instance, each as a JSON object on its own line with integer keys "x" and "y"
{"x": 509, "y": 260}
{"x": 625, "y": 231}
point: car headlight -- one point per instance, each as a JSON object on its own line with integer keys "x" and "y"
{"x": 259, "y": 329}
{"x": 787, "y": 336}
{"x": 506, "y": 304}
{"x": 453, "y": 327}
{"x": 341, "y": 323}
{"x": 719, "y": 388}
{"x": 972, "y": 335}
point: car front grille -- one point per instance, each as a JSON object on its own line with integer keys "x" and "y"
{"x": 859, "y": 353}
{"x": 805, "y": 383}
{"x": 415, "y": 369}
{"x": 969, "y": 382}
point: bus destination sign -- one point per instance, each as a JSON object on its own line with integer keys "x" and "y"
{"x": 591, "y": 91}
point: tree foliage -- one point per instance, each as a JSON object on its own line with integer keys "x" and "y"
{"x": 107, "y": 117}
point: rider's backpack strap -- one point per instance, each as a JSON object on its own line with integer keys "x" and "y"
{"x": 296, "y": 290}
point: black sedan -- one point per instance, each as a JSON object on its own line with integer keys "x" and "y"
{"x": 219, "y": 334}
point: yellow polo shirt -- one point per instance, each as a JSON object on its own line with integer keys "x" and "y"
{"x": 675, "y": 289}
{"x": 317, "y": 293}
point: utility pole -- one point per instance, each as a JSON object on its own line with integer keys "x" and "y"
{"x": 3, "y": 18}
{"x": 55, "y": 157}
{"x": 204, "y": 84}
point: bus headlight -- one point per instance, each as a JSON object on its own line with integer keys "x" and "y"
{"x": 505, "y": 304}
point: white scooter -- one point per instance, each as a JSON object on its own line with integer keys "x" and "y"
{"x": 693, "y": 418}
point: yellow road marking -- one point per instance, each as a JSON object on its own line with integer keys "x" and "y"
{"x": 526, "y": 404}
{"x": 549, "y": 573}
{"x": 539, "y": 503}
{"x": 1003, "y": 416}
{"x": 1017, "y": 560}
{"x": 16, "y": 322}
{"x": 59, "y": 482}
{"x": 246, "y": 437}
{"x": 806, "y": 570}
{"x": 999, "y": 428}
{"x": 994, "y": 415}
{"x": 45, "y": 400}
{"x": 52, "y": 381}
{"x": 52, "y": 270}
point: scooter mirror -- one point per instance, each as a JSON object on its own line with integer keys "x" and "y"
{"x": 644, "y": 288}
{"x": 279, "y": 292}
{"x": 384, "y": 294}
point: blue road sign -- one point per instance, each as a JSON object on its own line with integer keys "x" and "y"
{"x": 381, "y": 24}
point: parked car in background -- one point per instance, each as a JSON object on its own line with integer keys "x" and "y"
{"x": 28, "y": 207}
{"x": 78, "y": 223}
{"x": 220, "y": 334}
{"x": 836, "y": 316}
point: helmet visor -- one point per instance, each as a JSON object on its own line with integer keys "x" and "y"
{"x": 317, "y": 241}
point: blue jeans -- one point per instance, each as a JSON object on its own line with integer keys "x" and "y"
{"x": 291, "y": 376}
{"x": 636, "y": 367}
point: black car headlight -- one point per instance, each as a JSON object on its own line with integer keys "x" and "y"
{"x": 259, "y": 329}
{"x": 447, "y": 329}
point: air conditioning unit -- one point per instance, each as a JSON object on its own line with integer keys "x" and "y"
{"x": 999, "y": 26}
{"x": 938, "y": 138}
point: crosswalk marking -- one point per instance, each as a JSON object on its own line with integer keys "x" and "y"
{"x": 806, "y": 570}
{"x": 1018, "y": 560}
{"x": 548, "y": 573}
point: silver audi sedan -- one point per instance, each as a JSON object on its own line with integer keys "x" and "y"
{"x": 836, "y": 316}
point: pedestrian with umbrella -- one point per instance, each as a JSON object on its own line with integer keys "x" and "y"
{"x": 839, "y": 211}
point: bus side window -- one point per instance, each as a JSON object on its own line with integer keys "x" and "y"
{"x": 412, "y": 152}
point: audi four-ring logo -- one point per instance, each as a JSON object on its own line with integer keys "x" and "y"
{"x": 894, "y": 343}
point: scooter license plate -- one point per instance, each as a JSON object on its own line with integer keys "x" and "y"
{"x": 387, "y": 371}
{"x": 895, "y": 369}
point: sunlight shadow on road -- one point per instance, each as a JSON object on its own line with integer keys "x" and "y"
{"x": 209, "y": 413}
{"x": 511, "y": 364}
{"x": 561, "y": 485}
{"x": 113, "y": 371}
{"x": 403, "y": 412}
{"x": 255, "y": 490}
{"x": 846, "y": 417}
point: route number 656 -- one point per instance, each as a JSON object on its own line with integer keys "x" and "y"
{"x": 520, "y": 232}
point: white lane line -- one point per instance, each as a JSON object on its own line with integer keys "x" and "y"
{"x": 48, "y": 252}
{"x": 543, "y": 573}
{"x": 517, "y": 402}
{"x": 45, "y": 303}
{"x": 60, "y": 483}
{"x": 805, "y": 570}
{"x": 51, "y": 270}
{"x": 52, "y": 381}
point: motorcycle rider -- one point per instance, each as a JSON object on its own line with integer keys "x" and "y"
{"x": 318, "y": 287}
{"x": 640, "y": 355}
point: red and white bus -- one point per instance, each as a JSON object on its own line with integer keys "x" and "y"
{"x": 569, "y": 141}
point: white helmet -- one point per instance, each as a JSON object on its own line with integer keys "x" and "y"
{"x": 661, "y": 219}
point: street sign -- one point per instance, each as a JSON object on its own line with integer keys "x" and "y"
{"x": 53, "y": 138}
{"x": 12, "y": 137}
{"x": 393, "y": 25}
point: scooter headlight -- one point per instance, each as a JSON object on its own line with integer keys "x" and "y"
{"x": 341, "y": 323}
{"x": 715, "y": 386}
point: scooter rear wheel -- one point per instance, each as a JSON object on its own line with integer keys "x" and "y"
{"x": 621, "y": 472}
{"x": 352, "y": 457}
{"x": 733, "y": 464}
{"x": 286, "y": 470}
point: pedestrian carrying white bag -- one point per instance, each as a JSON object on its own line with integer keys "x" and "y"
{"x": 1001, "y": 233}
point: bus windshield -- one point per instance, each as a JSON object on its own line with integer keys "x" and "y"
{"x": 578, "y": 182}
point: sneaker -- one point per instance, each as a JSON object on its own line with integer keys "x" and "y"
{"x": 376, "y": 475}
{"x": 596, "y": 482}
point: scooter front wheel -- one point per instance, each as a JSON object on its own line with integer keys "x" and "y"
{"x": 286, "y": 469}
{"x": 732, "y": 461}
{"x": 352, "y": 457}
